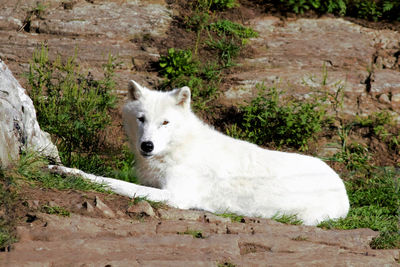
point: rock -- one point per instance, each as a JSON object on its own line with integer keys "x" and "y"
{"x": 33, "y": 204}
{"x": 78, "y": 240}
{"x": 103, "y": 208}
{"x": 89, "y": 29}
{"x": 143, "y": 208}
{"x": 19, "y": 129}
{"x": 383, "y": 98}
{"x": 89, "y": 208}
{"x": 291, "y": 55}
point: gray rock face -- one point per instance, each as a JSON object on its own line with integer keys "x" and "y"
{"x": 19, "y": 129}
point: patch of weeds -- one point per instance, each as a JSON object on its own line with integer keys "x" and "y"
{"x": 70, "y": 104}
{"x": 194, "y": 233}
{"x": 229, "y": 28}
{"x": 57, "y": 210}
{"x": 375, "y": 200}
{"x": 232, "y": 216}
{"x": 227, "y": 49}
{"x": 33, "y": 169}
{"x": 266, "y": 119}
{"x": 386, "y": 240}
{"x": 354, "y": 156}
{"x": 377, "y": 124}
{"x": 224, "y": 42}
{"x": 287, "y": 219}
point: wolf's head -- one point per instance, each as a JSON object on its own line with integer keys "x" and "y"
{"x": 152, "y": 119}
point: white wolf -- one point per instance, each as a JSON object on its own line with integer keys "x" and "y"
{"x": 204, "y": 169}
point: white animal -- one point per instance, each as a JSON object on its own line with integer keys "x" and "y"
{"x": 204, "y": 169}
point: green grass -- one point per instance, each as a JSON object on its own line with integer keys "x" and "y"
{"x": 193, "y": 233}
{"x": 287, "y": 219}
{"x": 33, "y": 169}
{"x": 375, "y": 200}
{"x": 57, "y": 210}
{"x": 232, "y": 216}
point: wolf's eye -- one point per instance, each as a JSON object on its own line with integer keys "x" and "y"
{"x": 165, "y": 122}
{"x": 141, "y": 119}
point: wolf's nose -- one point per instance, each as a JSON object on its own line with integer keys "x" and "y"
{"x": 147, "y": 146}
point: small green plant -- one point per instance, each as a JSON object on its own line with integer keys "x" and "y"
{"x": 354, "y": 156}
{"x": 57, "y": 210}
{"x": 194, "y": 233}
{"x": 227, "y": 49}
{"x": 267, "y": 120}
{"x": 124, "y": 169}
{"x": 229, "y": 28}
{"x": 177, "y": 63}
{"x": 287, "y": 219}
{"x": 232, "y": 216}
{"x": 377, "y": 123}
{"x": 386, "y": 240}
{"x": 71, "y": 105}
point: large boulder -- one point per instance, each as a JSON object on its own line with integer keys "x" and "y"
{"x": 19, "y": 129}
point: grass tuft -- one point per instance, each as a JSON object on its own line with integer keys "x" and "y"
{"x": 287, "y": 219}
{"x": 57, "y": 210}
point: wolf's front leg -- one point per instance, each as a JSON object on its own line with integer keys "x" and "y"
{"x": 118, "y": 186}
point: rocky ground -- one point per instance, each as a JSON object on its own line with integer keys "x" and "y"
{"x": 108, "y": 230}
{"x": 291, "y": 52}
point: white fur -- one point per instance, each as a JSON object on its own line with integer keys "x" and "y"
{"x": 204, "y": 169}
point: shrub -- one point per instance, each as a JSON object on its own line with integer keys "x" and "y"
{"x": 177, "y": 63}
{"x": 267, "y": 120}
{"x": 71, "y": 105}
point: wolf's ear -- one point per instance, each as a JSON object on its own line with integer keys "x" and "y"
{"x": 183, "y": 97}
{"x": 135, "y": 90}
